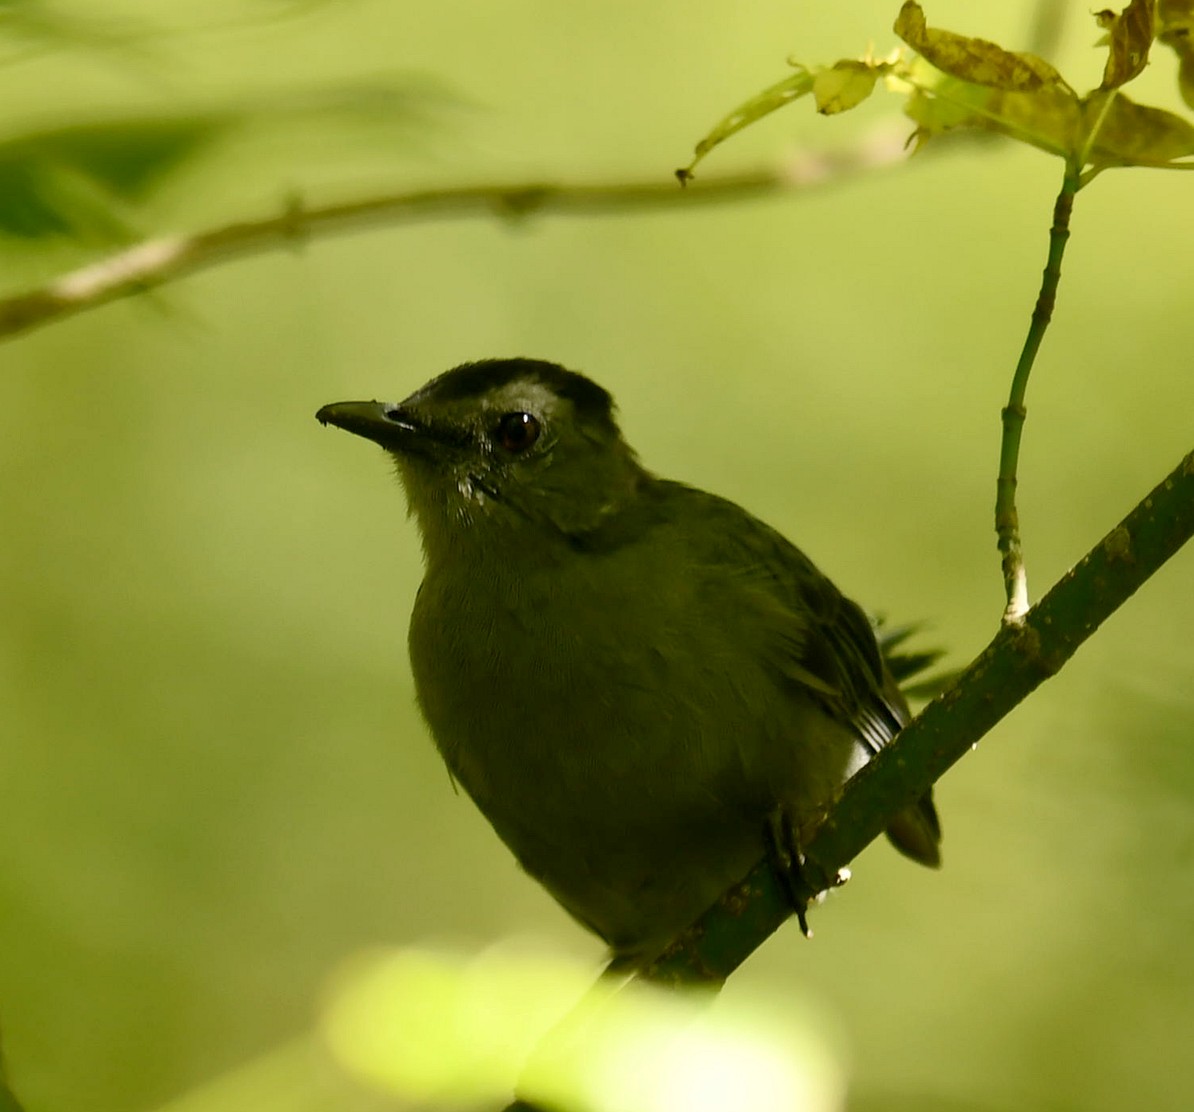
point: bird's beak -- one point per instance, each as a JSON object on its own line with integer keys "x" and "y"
{"x": 384, "y": 423}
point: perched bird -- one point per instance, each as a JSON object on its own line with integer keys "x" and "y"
{"x": 633, "y": 679}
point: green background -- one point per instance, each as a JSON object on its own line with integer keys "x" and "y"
{"x": 214, "y": 784}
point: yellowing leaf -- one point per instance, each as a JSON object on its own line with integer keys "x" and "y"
{"x": 934, "y": 116}
{"x": 843, "y": 86}
{"x": 1137, "y": 135}
{"x": 1130, "y": 35}
{"x": 975, "y": 60}
{"x": 766, "y": 102}
{"x": 1175, "y": 28}
{"x": 1049, "y": 117}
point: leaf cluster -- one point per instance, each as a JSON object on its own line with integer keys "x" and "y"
{"x": 952, "y": 81}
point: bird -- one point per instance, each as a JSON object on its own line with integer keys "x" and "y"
{"x": 637, "y": 682}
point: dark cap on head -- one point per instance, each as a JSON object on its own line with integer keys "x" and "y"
{"x": 472, "y": 380}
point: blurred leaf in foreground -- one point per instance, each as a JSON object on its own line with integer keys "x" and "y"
{"x": 77, "y": 180}
{"x": 83, "y": 180}
{"x": 299, "y": 7}
{"x": 428, "y": 1027}
{"x": 8, "y": 1103}
{"x": 26, "y": 24}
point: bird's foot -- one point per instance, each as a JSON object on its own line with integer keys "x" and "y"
{"x": 803, "y": 882}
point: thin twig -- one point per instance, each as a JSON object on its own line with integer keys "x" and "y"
{"x": 1007, "y": 518}
{"x": 157, "y": 261}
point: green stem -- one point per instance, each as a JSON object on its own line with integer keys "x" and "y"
{"x": 1007, "y": 518}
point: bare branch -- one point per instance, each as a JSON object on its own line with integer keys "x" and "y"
{"x": 158, "y": 261}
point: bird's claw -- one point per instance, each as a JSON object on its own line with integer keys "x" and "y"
{"x": 791, "y": 866}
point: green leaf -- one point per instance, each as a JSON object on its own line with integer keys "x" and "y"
{"x": 72, "y": 180}
{"x": 129, "y": 156}
{"x": 843, "y": 86}
{"x": 84, "y": 179}
{"x": 957, "y": 81}
{"x": 769, "y": 100}
{"x": 8, "y": 1102}
{"x": 1049, "y": 117}
{"x": 36, "y": 23}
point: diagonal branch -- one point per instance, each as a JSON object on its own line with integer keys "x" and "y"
{"x": 1018, "y": 660}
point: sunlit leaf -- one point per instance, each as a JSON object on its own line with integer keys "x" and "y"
{"x": 958, "y": 82}
{"x": 1129, "y": 37}
{"x": 935, "y": 116}
{"x": 843, "y": 86}
{"x": 1049, "y": 117}
{"x": 971, "y": 59}
{"x": 770, "y": 99}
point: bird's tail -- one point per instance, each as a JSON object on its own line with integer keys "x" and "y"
{"x": 916, "y": 832}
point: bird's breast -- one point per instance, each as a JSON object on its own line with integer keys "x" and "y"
{"x": 618, "y": 726}
{"x": 588, "y": 683}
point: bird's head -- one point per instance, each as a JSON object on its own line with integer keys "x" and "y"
{"x": 502, "y": 444}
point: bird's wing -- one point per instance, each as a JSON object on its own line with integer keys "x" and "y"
{"x": 840, "y": 649}
{"x": 761, "y": 587}
{"x": 828, "y": 645}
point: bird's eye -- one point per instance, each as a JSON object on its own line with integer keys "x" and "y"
{"x": 516, "y": 432}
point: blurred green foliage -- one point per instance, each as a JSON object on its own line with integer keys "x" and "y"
{"x": 434, "y": 1029}
{"x": 214, "y": 786}
{"x": 82, "y": 180}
